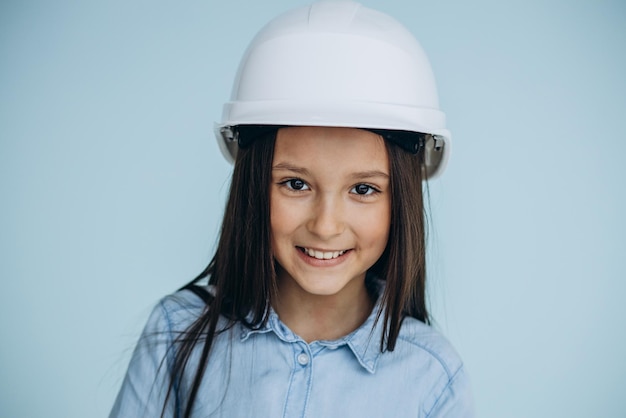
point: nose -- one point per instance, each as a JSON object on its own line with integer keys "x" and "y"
{"x": 327, "y": 217}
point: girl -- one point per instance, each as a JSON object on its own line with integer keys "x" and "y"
{"x": 313, "y": 304}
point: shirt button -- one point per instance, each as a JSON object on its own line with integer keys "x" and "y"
{"x": 303, "y": 359}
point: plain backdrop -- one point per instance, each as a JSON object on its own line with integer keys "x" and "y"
{"x": 112, "y": 190}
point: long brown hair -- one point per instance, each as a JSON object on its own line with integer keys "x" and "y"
{"x": 242, "y": 271}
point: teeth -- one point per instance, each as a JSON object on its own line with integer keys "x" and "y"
{"x": 323, "y": 255}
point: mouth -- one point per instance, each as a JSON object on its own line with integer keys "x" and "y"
{"x": 322, "y": 255}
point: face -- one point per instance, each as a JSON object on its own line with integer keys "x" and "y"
{"x": 330, "y": 208}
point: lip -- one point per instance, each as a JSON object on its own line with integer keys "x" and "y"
{"x": 316, "y": 262}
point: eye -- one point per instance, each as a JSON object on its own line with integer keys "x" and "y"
{"x": 363, "y": 189}
{"x": 296, "y": 184}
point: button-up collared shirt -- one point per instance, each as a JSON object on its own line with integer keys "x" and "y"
{"x": 272, "y": 372}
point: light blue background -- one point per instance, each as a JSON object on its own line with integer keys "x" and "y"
{"x": 112, "y": 188}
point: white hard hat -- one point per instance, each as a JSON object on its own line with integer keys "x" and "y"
{"x": 337, "y": 63}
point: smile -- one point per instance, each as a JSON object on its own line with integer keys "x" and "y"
{"x": 322, "y": 255}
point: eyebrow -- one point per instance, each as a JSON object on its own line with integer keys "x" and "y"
{"x": 289, "y": 167}
{"x": 369, "y": 174}
{"x": 358, "y": 175}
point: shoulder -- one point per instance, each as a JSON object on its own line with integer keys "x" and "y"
{"x": 449, "y": 390}
{"x": 416, "y": 335}
{"x": 175, "y": 312}
{"x": 145, "y": 388}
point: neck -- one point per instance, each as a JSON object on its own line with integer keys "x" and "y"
{"x": 322, "y": 317}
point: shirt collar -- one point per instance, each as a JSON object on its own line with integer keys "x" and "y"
{"x": 364, "y": 342}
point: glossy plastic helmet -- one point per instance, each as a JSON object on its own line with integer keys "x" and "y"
{"x": 337, "y": 63}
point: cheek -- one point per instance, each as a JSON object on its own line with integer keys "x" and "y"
{"x": 374, "y": 227}
{"x": 380, "y": 235}
{"x": 385, "y": 221}
{"x": 275, "y": 212}
{"x": 283, "y": 217}
{"x": 274, "y": 222}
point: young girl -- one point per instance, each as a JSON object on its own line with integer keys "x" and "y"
{"x": 313, "y": 304}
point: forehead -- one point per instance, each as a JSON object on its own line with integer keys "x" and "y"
{"x": 336, "y": 148}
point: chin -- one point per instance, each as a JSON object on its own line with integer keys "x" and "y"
{"x": 329, "y": 285}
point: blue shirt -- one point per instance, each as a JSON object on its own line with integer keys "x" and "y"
{"x": 271, "y": 372}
